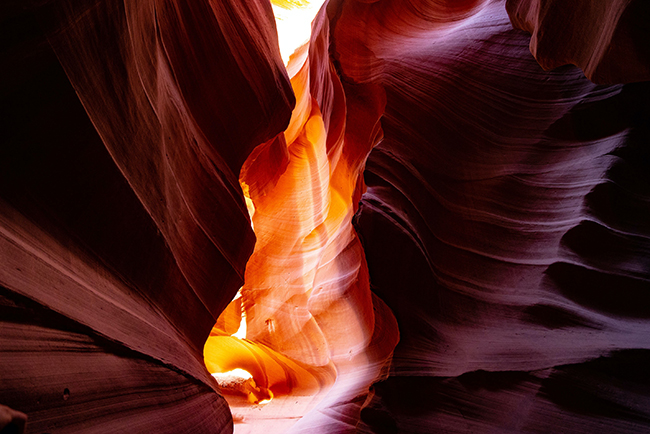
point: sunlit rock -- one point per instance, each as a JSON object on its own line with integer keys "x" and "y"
{"x": 306, "y": 303}
{"x": 472, "y": 174}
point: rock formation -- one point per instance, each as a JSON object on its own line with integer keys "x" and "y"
{"x": 467, "y": 177}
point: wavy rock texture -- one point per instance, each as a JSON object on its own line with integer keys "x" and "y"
{"x": 607, "y": 40}
{"x": 313, "y": 327}
{"x": 127, "y": 257}
{"x": 503, "y": 224}
{"x": 504, "y": 220}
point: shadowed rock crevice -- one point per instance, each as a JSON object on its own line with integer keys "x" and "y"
{"x": 502, "y": 213}
{"x": 609, "y": 392}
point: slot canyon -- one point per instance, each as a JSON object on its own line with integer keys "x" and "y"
{"x": 326, "y": 216}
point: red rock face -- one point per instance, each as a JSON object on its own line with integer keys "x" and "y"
{"x": 607, "y": 40}
{"x": 420, "y": 166}
{"x": 315, "y": 335}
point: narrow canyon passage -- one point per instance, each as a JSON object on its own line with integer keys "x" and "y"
{"x": 305, "y": 318}
{"x": 432, "y": 217}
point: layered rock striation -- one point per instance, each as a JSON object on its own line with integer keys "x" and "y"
{"x": 478, "y": 169}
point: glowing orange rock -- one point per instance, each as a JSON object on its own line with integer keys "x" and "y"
{"x": 306, "y": 301}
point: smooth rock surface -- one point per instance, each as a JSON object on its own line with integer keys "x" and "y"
{"x": 448, "y": 169}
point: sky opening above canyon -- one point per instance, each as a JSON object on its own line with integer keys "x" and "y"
{"x": 293, "y": 20}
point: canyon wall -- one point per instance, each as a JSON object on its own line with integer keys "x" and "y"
{"x": 503, "y": 211}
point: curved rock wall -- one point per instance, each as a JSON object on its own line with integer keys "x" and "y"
{"x": 130, "y": 254}
{"x": 504, "y": 219}
{"x": 499, "y": 227}
{"x": 607, "y": 40}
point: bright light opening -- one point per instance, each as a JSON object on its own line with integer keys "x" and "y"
{"x": 241, "y": 382}
{"x": 293, "y": 20}
{"x": 305, "y": 315}
{"x": 241, "y": 331}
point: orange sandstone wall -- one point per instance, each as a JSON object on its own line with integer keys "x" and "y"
{"x": 504, "y": 219}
